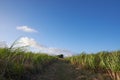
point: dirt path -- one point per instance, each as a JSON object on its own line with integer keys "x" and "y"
{"x": 65, "y": 71}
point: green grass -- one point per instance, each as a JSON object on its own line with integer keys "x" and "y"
{"x": 104, "y": 62}
{"x": 16, "y": 64}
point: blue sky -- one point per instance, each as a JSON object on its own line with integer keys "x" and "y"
{"x": 75, "y": 25}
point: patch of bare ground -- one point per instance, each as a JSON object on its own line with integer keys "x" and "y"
{"x": 62, "y": 70}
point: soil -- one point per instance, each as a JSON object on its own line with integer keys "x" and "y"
{"x": 62, "y": 70}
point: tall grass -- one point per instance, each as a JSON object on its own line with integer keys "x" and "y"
{"x": 104, "y": 62}
{"x": 17, "y": 64}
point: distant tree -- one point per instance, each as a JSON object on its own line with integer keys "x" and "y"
{"x": 60, "y": 56}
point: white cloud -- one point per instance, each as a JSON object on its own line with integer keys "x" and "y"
{"x": 3, "y": 44}
{"x": 25, "y": 41}
{"x": 26, "y": 29}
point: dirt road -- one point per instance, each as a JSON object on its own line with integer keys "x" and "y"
{"x": 62, "y": 70}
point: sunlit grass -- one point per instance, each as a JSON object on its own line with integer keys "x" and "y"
{"x": 17, "y": 64}
{"x": 104, "y": 62}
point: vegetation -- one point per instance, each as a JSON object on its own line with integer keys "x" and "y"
{"x": 19, "y": 64}
{"x": 60, "y": 56}
{"x": 16, "y": 64}
{"x": 102, "y": 62}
